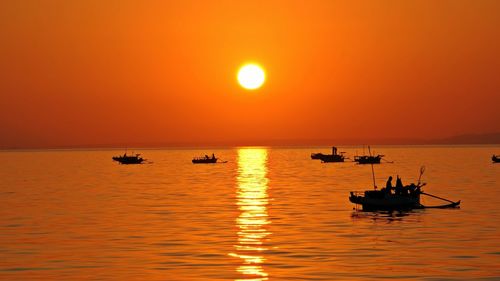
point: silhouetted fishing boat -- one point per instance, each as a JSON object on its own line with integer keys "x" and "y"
{"x": 329, "y": 158}
{"x": 129, "y": 159}
{"x": 404, "y": 198}
{"x": 372, "y": 200}
{"x": 206, "y": 160}
{"x": 368, "y": 159}
{"x": 495, "y": 159}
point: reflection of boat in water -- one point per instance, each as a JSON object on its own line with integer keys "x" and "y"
{"x": 495, "y": 159}
{"x": 403, "y": 197}
{"x": 129, "y": 159}
{"x": 329, "y": 158}
{"x": 206, "y": 160}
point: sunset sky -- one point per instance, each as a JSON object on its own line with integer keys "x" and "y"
{"x": 78, "y": 73}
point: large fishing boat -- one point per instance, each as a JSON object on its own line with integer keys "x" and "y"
{"x": 372, "y": 200}
{"x": 403, "y": 197}
{"x": 129, "y": 159}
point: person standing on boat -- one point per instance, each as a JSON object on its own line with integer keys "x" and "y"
{"x": 398, "y": 190}
{"x": 213, "y": 156}
{"x": 388, "y": 185}
{"x": 399, "y": 183}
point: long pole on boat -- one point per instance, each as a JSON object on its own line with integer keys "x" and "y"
{"x": 373, "y": 171}
{"x": 422, "y": 170}
{"x": 435, "y": 196}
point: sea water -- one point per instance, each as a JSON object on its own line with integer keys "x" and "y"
{"x": 269, "y": 213}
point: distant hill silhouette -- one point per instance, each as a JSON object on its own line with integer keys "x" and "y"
{"x": 464, "y": 139}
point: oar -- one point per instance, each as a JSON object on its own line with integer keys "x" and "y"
{"x": 444, "y": 199}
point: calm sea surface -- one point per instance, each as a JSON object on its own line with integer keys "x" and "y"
{"x": 267, "y": 214}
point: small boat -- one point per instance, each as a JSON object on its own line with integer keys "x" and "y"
{"x": 129, "y": 159}
{"x": 368, "y": 159}
{"x": 495, "y": 158}
{"x": 205, "y": 159}
{"x": 329, "y": 158}
{"x": 404, "y": 198}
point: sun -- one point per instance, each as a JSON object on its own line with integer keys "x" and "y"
{"x": 251, "y": 76}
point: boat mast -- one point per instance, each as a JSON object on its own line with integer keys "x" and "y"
{"x": 373, "y": 171}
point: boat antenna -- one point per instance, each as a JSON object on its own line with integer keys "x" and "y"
{"x": 373, "y": 171}
{"x": 422, "y": 170}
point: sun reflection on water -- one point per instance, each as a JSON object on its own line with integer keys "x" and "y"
{"x": 252, "y": 201}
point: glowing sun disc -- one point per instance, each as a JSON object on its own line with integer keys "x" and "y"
{"x": 251, "y": 76}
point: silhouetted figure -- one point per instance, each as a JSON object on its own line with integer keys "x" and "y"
{"x": 334, "y": 150}
{"x": 388, "y": 185}
{"x": 206, "y": 156}
{"x": 398, "y": 190}
{"x": 399, "y": 183}
{"x": 213, "y": 156}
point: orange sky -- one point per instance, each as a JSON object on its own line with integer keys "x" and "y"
{"x": 164, "y": 72}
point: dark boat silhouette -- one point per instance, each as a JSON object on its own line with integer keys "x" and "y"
{"x": 403, "y": 198}
{"x": 129, "y": 159}
{"x": 495, "y": 158}
{"x": 329, "y": 158}
{"x": 373, "y": 200}
{"x": 368, "y": 159}
{"x": 205, "y": 160}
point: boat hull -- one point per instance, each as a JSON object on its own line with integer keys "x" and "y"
{"x": 128, "y": 160}
{"x": 332, "y": 158}
{"x": 379, "y": 200}
{"x": 205, "y": 161}
{"x": 368, "y": 159}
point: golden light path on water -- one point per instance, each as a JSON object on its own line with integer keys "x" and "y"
{"x": 252, "y": 201}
